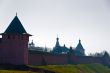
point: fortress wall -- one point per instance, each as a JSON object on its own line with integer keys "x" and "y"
{"x": 56, "y": 59}
{"x": 50, "y": 59}
{"x": 39, "y": 59}
{"x": 35, "y": 59}
{"x": 106, "y": 61}
{"x": 86, "y": 59}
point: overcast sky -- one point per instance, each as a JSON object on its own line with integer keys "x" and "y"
{"x": 88, "y": 20}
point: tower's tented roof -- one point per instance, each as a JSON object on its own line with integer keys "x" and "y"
{"x": 79, "y": 46}
{"x": 15, "y": 27}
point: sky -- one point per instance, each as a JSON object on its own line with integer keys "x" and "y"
{"x": 71, "y": 20}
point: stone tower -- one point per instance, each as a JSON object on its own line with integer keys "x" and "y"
{"x": 14, "y": 44}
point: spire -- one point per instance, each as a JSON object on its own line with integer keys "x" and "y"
{"x": 79, "y": 41}
{"x": 57, "y": 38}
{"x": 57, "y": 41}
{"x": 64, "y": 45}
{"x": 32, "y": 44}
{"x": 80, "y": 50}
{"x": 15, "y": 27}
{"x": 106, "y": 54}
{"x": 16, "y": 13}
{"x": 45, "y": 50}
{"x": 79, "y": 46}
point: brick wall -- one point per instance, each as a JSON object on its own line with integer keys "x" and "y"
{"x": 49, "y": 59}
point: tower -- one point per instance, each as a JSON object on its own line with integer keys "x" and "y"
{"x": 57, "y": 42}
{"x": 79, "y": 51}
{"x": 14, "y": 43}
{"x": 57, "y": 49}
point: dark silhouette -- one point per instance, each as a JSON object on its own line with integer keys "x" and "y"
{"x": 78, "y": 51}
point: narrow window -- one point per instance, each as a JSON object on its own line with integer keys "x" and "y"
{"x": 8, "y": 36}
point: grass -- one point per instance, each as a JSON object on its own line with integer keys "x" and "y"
{"x": 80, "y": 68}
{"x": 15, "y": 71}
{"x": 61, "y": 68}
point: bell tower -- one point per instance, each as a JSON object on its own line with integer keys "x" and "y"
{"x": 15, "y": 43}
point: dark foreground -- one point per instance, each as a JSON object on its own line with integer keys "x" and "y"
{"x": 79, "y": 68}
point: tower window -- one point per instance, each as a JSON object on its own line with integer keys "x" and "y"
{"x": 8, "y": 36}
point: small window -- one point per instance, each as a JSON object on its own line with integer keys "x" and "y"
{"x": 8, "y": 36}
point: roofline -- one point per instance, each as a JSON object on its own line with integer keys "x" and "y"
{"x": 15, "y": 34}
